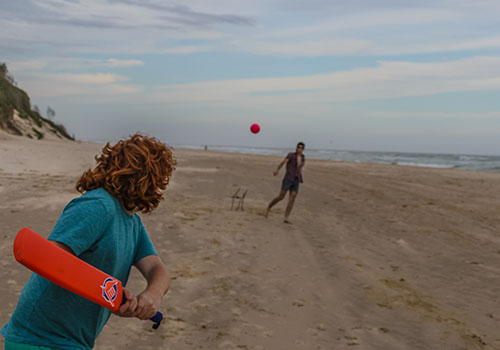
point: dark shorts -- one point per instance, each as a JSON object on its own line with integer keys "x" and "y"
{"x": 288, "y": 185}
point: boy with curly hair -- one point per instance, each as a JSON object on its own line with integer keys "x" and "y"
{"x": 102, "y": 228}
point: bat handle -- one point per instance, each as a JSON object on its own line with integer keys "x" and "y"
{"x": 157, "y": 320}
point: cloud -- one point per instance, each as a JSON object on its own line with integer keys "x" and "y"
{"x": 98, "y": 86}
{"x": 121, "y": 14}
{"x": 187, "y": 49}
{"x": 389, "y": 31}
{"x": 28, "y": 65}
{"x": 113, "y": 62}
{"x": 389, "y": 79}
{"x": 85, "y": 78}
{"x": 437, "y": 115}
{"x": 379, "y": 19}
{"x": 330, "y": 47}
{"x": 111, "y": 28}
{"x": 353, "y": 46}
{"x": 291, "y": 28}
{"x": 185, "y": 15}
{"x": 62, "y": 63}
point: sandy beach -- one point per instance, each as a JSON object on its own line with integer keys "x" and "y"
{"x": 378, "y": 256}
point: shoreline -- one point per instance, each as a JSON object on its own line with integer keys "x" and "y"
{"x": 418, "y": 159}
{"x": 88, "y": 145}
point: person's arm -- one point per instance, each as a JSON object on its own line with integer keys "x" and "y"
{"x": 129, "y": 305}
{"x": 157, "y": 276}
{"x": 279, "y": 166}
{"x": 63, "y": 246}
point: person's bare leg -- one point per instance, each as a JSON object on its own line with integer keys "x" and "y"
{"x": 291, "y": 200}
{"x": 274, "y": 201}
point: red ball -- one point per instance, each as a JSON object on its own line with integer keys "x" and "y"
{"x": 255, "y": 128}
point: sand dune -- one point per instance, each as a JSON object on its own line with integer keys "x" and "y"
{"x": 378, "y": 257}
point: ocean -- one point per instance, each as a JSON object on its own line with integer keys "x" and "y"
{"x": 431, "y": 160}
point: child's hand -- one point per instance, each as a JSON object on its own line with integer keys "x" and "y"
{"x": 148, "y": 305}
{"x": 128, "y": 309}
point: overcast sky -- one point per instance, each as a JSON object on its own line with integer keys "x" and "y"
{"x": 390, "y": 75}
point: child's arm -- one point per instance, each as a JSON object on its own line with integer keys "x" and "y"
{"x": 63, "y": 246}
{"x": 129, "y": 305}
{"x": 156, "y": 274}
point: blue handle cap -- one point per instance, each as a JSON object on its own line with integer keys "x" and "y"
{"x": 157, "y": 320}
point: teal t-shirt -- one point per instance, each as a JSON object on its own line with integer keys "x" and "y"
{"x": 99, "y": 231}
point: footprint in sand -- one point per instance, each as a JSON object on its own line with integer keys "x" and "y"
{"x": 298, "y": 303}
{"x": 318, "y": 330}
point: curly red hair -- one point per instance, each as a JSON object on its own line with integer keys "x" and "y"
{"x": 135, "y": 171}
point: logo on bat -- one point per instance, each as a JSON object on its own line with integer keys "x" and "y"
{"x": 109, "y": 290}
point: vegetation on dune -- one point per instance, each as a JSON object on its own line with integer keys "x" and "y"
{"x": 13, "y": 98}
